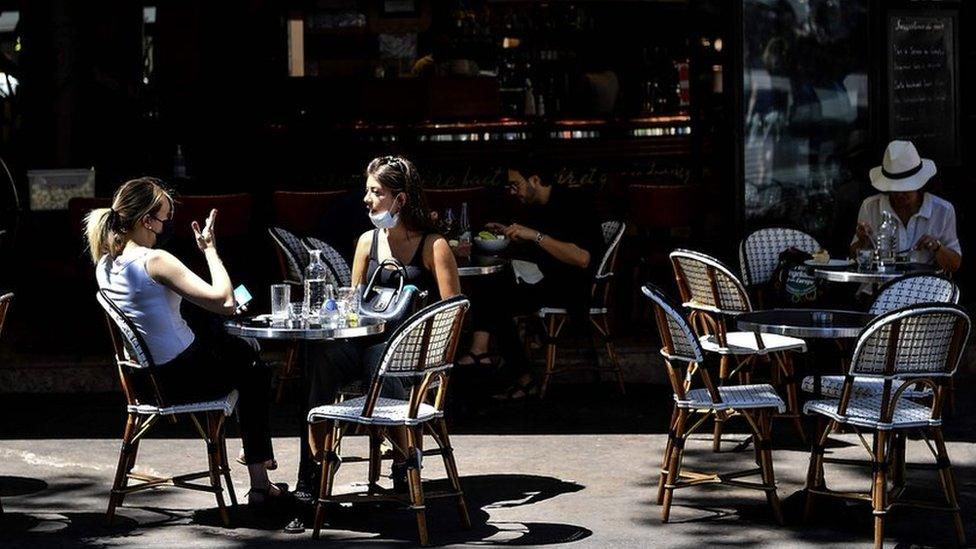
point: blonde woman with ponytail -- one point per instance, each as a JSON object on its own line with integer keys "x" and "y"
{"x": 149, "y": 284}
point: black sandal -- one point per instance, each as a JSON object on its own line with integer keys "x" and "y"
{"x": 261, "y": 497}
{"x": 490, "y": 360}
{"x": 519, "y": 391}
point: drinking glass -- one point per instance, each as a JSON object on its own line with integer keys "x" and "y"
{"x": 280, "y": 299}
{"x": 864, "y": 259}
{"x": 347, "y": 300}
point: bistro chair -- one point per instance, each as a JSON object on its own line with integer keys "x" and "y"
{"x": 5, "y": 301}
{"x": 301, "y": 212}
{"x": 422, "y": 349}
{"x": 338, "y": 267}
{"x": 133, "y": 360}
{"x": 759, "y": 253}
{"x": 920, "y": 344}
{"x": 554, "y": 318}
{"x": 714, "y": 294}
{"x": 292, "y": 256}
{"x": 692, "y": 407}
{"x": 902, "y": 292}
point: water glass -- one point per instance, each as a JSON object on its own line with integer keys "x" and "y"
{"x": 347, "y": 300}
{"x": 823, "y": 318}
{"x": 864, "y": 259}
{"x": 280, "y": 299}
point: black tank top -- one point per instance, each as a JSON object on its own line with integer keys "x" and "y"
{"x": 417, "y": 273}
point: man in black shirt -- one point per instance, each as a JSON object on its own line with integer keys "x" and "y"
{"x": 559, "y": 231}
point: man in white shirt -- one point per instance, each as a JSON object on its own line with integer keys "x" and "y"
{"x": 926, "y": 223}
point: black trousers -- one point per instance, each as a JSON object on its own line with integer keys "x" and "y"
{"x": 495, "y": 301}
{"x": 212, "y": 366}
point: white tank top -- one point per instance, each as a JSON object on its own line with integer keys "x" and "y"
{"x": 151, "y": 306}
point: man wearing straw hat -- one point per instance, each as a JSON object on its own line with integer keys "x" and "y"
{"x": 926, "y": 223}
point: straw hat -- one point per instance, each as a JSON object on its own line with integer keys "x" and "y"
{"x": 902, "y": 169}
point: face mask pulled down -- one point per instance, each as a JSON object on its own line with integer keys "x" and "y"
{"x": 385, "y": 220}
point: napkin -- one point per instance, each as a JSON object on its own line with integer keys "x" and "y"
{"x": 526, "y": 271}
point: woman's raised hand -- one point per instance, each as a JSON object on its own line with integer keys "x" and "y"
{"x": 206, "y": 239}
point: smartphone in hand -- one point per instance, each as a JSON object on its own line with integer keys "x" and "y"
{"x": 242, "y": 297}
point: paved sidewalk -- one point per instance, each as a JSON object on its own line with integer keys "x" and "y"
{"x": 527, "y": 490}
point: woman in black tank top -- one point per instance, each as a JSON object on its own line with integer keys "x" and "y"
{"x": 395, "y": 203}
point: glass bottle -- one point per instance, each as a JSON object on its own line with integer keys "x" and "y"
{"x": 315, "y": 285}
{"x": 886, "y": 241}
{"x": 464, "y": 225}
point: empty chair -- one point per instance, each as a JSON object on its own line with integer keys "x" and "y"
{"x": 421, "y": 349}
{"x": 920, "y": 344}
{"x": 301, "y": 212}
{"x": 553, "y": 318}
{"x": 684, "y": 357}
{"x": 292, "y": 255}
{"x": 338, "y": 267}
{"x": 713, "y": 293}
{"x": 132, "y": 355}
{"x": 759, "y": 252}
{"x": 899, "y": 293}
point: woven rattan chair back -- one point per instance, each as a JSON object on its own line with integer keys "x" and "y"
{"x": 5, "y": 301}
{"x": 131, "y": 353}
{"x": 292, "y": 254}
{"x": 422, "y": 347}
{"x": 706, "y": 284}
{"x": 678, "y": 339}
{"x": 913, "y": 290}
{"x": 917, "y": 341}
{"x": 759, "y": 252}
{"x": 340, "y": 272}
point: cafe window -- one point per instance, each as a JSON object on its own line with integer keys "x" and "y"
{"x": 806, "y": 127}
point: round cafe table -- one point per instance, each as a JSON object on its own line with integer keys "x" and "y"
{"x": 262, "y": 327}
{"x": 481, "y": 265}
{"x": 805, "y": 323}
{"x": 873, "y": 275}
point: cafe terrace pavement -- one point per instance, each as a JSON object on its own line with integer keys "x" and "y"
{"x": 573, "y": 470}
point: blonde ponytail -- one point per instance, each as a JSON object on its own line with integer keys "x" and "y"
{"x": 105, "y": 228}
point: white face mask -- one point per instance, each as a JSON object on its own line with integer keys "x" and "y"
{"x": 384, "y": 220}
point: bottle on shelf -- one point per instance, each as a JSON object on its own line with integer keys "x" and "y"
{"x": 179, "y": 164}
{"x": 464, "y": 225}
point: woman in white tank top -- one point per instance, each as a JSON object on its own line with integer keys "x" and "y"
{"x": 149, "y": 284}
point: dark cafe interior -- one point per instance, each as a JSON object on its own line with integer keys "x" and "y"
{"x": 487, "y": 272}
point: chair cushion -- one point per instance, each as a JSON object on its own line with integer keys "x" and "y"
{"x": 832, "y": 386}
{"x": 388, "y": 411}
{"x": 734, "y": 397}
{"x": 866, "y": 412}
{"x": 547, "y": 311}
{"x": 225, "y": 405}
{"x": 744, "y": 343}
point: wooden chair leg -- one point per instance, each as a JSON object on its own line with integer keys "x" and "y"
{"x": 287, "y": 370}
{"x": 550, "y": 355}
{"x": 668, "y": 447}
{"x": 450, "y": 465}
{"x": 121, "y": 472}
{"x": 375, "y": 457}
{"x": 785, "y": 361}
{"x": 213, "y": 462}
{"x": 879, "y": 488}
{"x": 766, "y": 457}
{"x": 603, "y": 326}
{"x": 414, "y": 482}
{"x": 224, "y": 464}
{"x": 949, "y": 484}
{"x": 815, "y": 471}
{"x": 674, "y": 464}
{"x": 723, "y": 375}
{"x": 329, "y": 463}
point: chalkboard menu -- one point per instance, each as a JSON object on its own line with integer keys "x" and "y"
{"x": 922, "y": 82}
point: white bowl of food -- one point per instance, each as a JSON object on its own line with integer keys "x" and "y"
{"x": 490, "y": 242}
